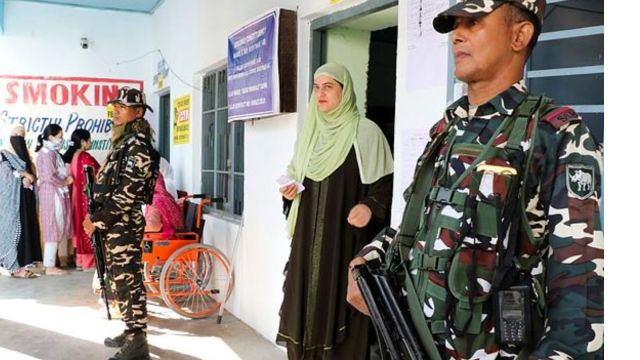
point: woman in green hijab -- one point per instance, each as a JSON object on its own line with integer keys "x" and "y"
{"x": 345, "y": 164}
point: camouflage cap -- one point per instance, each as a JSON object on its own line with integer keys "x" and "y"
{"x": 445, "y": 21}
{"x": 130, "y": 97}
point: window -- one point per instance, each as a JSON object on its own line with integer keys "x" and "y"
{"x": 567, "y": 64}
{"x": 222, "y": 147}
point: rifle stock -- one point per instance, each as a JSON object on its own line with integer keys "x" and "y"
{"x": 395, "y": 334}
{"x": 97, "y": 243}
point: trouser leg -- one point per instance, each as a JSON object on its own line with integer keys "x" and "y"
{"x": 50, "y": 251}
{"x": 124, "y": 257}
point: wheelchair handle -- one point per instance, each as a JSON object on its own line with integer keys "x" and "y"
{"x": 204, "y": 196}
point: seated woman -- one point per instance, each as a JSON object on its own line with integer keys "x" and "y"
{"x": 164, "y": 215}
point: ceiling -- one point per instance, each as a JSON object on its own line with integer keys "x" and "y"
{"x": 139, "y": 6}
{"x": 1, "y": 16}
{"x": 136, "y": 6}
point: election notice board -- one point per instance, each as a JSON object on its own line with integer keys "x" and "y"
{"x": 253, "y": 79}
{"x": 181, "y": 117}
{"x": 71, "y": 102}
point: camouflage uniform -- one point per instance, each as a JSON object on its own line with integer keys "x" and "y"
{"x": 120, "y": 199}
{"x": 560, "y": 245}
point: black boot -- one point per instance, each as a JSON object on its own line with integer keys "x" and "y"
{"x": 116, "y": 341}
{"x": 135, "y": 348}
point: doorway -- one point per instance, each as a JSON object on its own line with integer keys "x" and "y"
{"x": 164, "y": 126}
{"x": 364, "y": 38}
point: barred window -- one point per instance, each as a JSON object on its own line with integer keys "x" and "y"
{"x": 222, "y": 147}
{"x": 567, "y": 64}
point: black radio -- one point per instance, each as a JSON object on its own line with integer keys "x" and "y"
{"x": 513, "y": 316}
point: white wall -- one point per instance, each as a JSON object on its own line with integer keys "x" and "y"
{"x": 201, "y": 46}
{"x": 415, "y": 109}
{"x": 192, "y": 36}
{"x": 44, "y": 40}
{"x": 191, "y": 51}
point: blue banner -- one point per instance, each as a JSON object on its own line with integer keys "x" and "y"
{"x": 252, "y": 74}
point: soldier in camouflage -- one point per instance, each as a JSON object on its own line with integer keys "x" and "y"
{"x": 507, "y": 193}
{"x": 124, "y": 183}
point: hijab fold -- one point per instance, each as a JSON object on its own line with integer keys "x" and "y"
{"x": 326, "y": 139}
{"x": 17, "y": 145}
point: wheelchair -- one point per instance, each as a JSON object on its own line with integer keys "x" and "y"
{"x": 191, "y": 278}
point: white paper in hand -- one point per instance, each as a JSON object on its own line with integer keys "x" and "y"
{"x": 284, "y": 180}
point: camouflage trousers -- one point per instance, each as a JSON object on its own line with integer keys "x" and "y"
{"x": 124, "y": 256}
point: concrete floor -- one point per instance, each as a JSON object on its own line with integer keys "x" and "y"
{"x": 58, "y": 317}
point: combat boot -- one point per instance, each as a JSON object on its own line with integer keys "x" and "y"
{"x": 116, "y": 341}
{"x": 135, "y": 348}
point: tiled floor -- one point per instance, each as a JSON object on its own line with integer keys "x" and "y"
{"x": 58, "y": 317}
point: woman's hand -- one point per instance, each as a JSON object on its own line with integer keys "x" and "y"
{"x": 26, "y": 175}
{"x": 359, "y": 216}
{"x": 69, "y": 180}
{"x": 26, "y": 183}
{"x": 289, "y": 191}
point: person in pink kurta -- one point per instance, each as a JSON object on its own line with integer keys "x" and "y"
{"x": 78, "y": 157}
{"x": 164, "y": 215}
{"x": 53, "y": 195}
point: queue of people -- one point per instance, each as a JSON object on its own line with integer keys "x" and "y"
{"x": 47, "y": 199}
{"x": 38, "y": 198}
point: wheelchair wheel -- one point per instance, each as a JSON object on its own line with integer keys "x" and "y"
{"x": 151, "y": 276}
{"x": 193, "y": 280}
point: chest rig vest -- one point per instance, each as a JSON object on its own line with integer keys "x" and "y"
{"x": 113, "y": 174}
{"x": 458, "y": 240}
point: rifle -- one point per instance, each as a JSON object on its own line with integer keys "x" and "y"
{"x": 96, "y": 238}
{"x": 396, "y": 337}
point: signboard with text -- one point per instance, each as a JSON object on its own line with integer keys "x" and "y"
{"x": 71, "y": 102}
{"x": 181, "y": 108}
{"x": 252, "y": 75}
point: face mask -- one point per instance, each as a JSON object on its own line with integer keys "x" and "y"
{"x": 53, "y": 145}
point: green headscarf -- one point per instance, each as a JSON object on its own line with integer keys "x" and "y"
{"x": 326, "y": 138}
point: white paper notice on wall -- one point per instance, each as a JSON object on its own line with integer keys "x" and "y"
{"x": 413, "y": 142}
{"x": 427, "y": 50}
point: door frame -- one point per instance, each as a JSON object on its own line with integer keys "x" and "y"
{"x": 318, "y": 41}
{"x": 161, "y": 145}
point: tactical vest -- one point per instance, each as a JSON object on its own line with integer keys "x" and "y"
{"x": 464, "y": 239}
{"x": 112, "y": 179}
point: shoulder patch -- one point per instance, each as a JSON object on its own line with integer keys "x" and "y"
{"x": 560, "y": 117}
{"x": 580, "y": 180}
{"x": 437, "y": 128}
